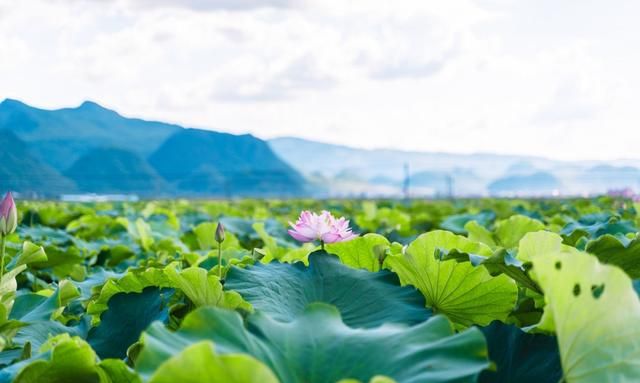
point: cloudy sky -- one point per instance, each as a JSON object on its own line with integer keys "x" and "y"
{"x": 553, "y": 78}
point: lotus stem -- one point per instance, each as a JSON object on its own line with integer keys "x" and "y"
{"x": 2, "y": 246}
{"x": 220, "y": 261}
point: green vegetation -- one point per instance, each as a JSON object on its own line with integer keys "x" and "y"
{"x": 480, "y": 290}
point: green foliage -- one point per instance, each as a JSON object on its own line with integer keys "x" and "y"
{"x": 68, "y": 359}
{"x": 203, "y": 289}
{"x": 619, "y": 251}
{"x": 363, "y": 298}
{"x": 520, "y": 357}
{"x": 317, "y": 346}
{"x": 138, "y": 282}
{"x": 597, "y": 335}
{"x": 199, "y": 363}
{"x": 365, "y": 252}
{"x": 465, "y": 293}
{"x": 507, "y": 233}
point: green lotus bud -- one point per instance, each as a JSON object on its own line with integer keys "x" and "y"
{"x": 220, "y": 233}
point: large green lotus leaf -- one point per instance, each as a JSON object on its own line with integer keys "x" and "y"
{"x": 595, "y": 225}
{"x": 318, "y": 347}
{"x": 94, "y": 281}
{"x": 467, "y": 294}
{"x": 65, "y": 359}
{"x": 37, "y": 314}
{"x": 128, "y": 315}
{"x": 520, "y": 357}
{"x": 503, "y": 262}
{"x": 93, "y": 226}
{"x": 432, "y": 241}
{"x": 199, "y": 363}
{"x": 594, "y": 311}
{"x": 365, "y": 299}
{"x": 277, "y": 249}
{"x": 30, "y": 253}
{"x": 203, "y": 289}
{"x": 383, "y": 220}
{"x": 154, "y": 212}
{"x": 131, "y": 282}
{"x": 456, "y": 223}
{"x": 539, "y": 243}
{"x": 509, "y": 231}
{"x": 64, "y": 252}
{"x": 362, "y": 252}
{"x": 195, "y": 282}
{"x": 478, "y": 233}
{"x": 619, "y": 251}
{"x": 33, "y": 307}
{"x": 375, "y": 379}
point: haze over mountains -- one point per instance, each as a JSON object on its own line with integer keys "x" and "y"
{"x": 91, "y": 149}
{"x": 351, "y": 170}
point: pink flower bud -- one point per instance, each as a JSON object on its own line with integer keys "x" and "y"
{"x": 8, "y": 215}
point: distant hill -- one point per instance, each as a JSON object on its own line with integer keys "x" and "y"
{"x": 21, "y": 171}
{"x": 387, "y": 162}
{"x": 109, "y": 171}
{"x": 59, "y": 137}
{"x": 471, "y": 174}
{"x": 615, "y": 177}
{"x": 200, "y": 161}
{"x": 540, "y": 183}
{"x": 92, "y": 149}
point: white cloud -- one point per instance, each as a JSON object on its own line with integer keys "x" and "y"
{"x": 214, "y": 5}
{"x": 461, "y": 76}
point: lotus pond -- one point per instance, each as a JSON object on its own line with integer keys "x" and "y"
{"x": 428, "y": 291}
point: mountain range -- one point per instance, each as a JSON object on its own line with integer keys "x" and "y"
{"x": 92, "y": 149}
{"x": 355, "y": 171}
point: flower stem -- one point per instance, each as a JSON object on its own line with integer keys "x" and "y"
{"x": 2, "y": 240}
{"x": 220, "y": 261}
{"x": 321, "y": 245}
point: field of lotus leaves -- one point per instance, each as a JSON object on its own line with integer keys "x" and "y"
{"x": 254, "y": 291}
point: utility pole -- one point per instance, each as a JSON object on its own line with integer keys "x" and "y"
{"x": 406, "y": 183}
{"x": 449, "y": 181}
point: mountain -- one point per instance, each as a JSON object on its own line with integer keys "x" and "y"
{"x": 200, "y": 161}
{"x": 114, "y": 171}
{"x": 387, "y": 162}
{"x": 433, "y": 174}
{"x": 615, "y": 177}
{"x": 21, "y": 171}
{"x": 539, "y": 183}
{"x": 92, "y": 149}
{"x": 59, "y": 137}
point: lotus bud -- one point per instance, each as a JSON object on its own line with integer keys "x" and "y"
{"x": 8, "y": 215}
{"x": 220, "y": 233}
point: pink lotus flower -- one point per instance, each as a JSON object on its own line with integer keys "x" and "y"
{"x": 8, "y": 215}
{"x": 324, "y": 227}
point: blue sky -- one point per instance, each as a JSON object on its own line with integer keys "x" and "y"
{"x": 541, "y": 77}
